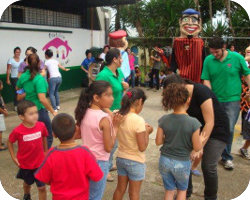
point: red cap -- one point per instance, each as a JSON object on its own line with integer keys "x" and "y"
{"x": 118, "y": 34}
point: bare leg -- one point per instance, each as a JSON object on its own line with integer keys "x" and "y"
{"x": 134, "y": 189}
{"x": 1, "y": 141}
{"x": 246, "y": 145}
{"x": 120, "y": 188}
{"x": 181, "y": 194}
{"x": 169, "y": 194}
{"x": 26, "y": 188}
{"x": 42, "y": 193}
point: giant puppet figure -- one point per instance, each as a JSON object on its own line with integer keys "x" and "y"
{"x": 118, "y": 40}
{"x": 188, "y": 49}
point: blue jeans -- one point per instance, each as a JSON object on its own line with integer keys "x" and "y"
{"x": 54, "y": 84}
{"x": 96, "y": 189}
{"x": 233, "y": 110}
{"x": 175, "y": 173}
{"x": 44, "y": 117}
{"x": 13, "y": 82}
{"x": 112, "y": 154}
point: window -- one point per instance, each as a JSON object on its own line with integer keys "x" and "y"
{"x": 17, "y": 15}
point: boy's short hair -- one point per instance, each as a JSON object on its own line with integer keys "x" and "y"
{"x": 23, "y": 106}
{"x": 49, "y": 53}
{"x": 63, "y": 126}
{"x": 87, "y": 52}
{"x": 216, "y": 43}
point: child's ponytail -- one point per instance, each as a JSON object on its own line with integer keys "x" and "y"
{"x": 86, "y": 98}
{"x": 129, "y": 98}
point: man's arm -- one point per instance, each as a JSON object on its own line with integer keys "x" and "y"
{"x": 207, "y": 83}
{"x": 247, "y": 79}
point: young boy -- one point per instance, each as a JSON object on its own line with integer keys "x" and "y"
{"x": 31, "y": 137}
{"x": 68, "y": 168}
{"x": 3, "y": 112}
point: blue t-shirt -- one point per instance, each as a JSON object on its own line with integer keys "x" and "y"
{"x": 87, "y": 62}
{"x": 14, "y": 67}
{"x": 125, "y": 67}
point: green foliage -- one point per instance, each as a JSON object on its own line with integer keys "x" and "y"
{"x": 209, "y": 30}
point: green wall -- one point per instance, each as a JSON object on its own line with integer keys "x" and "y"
{"x": 70, "y": 79}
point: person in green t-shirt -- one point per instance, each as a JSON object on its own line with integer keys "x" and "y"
{"x": 222, "y": 71}
{"x": 35, "y": 88}
{"x": 113, "y": 74}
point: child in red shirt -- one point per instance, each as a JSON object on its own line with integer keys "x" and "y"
{"x": 31, "y": 137}
{"x": 69, "y": 167}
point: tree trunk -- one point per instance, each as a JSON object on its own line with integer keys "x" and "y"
{"x": 211, "y": 10}
{"x": 228, "y": 8}
{"x": 117, "y": 19}
{"x": 197, "y": 5}
{"x": 145, "y": 60}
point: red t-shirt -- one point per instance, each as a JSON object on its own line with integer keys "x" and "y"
{"x": 30, "y": 152}
{"x": 68, "y": 172}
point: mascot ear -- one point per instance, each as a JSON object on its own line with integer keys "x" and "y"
{"x": 180, "y": 21}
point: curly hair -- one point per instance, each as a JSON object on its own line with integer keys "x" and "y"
{"x": 174, "y": 95}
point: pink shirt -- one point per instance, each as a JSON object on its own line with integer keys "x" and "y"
{"x": 92, "y": 136}
{"x": 131, "y": 61}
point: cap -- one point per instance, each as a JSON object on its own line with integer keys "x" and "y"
{"x": 190, "y": 11}
{"x": 118, "y": 34}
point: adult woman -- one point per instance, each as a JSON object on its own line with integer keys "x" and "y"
{"x": 23, "y": 65}
{"x": 206, "y": 108}
{"x": 36, "y": 87}
{"x": 12, "y": 72}
{"x": 113, "y": 74}
{"x": 105, "y": 51}
{"x": 131, "y": 58}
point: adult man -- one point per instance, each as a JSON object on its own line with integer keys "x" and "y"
{"x": 155, "y": 71}
{"x": 222, "y": 73}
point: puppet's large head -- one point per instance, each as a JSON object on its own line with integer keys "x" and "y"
{"x": 118, "y": 39}
{"x": 190, "y": 23}
{"x": 247, "y": 56}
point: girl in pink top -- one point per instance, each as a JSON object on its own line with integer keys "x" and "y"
{"x": 97, "y": 130}
{"x": 131, "y": 58}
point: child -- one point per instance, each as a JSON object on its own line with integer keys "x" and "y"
{"x": 3, "y": 112}
{"x": 68, "y": 167}
{"x": 133, "y": 137}
{"x": 246, "y": 136}
{"x": 55, "y": 78}
{"x": 96, "y": 129}
{"x": 179, "y": 134}
{"x": 31, "y": 137}
{"x": 162, "y": 77}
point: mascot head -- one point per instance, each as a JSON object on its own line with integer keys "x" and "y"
{"x": 118, "y": 39}
{"x": 190, "y": 23}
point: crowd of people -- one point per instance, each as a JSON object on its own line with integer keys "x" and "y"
{"x": 200, "y": 127}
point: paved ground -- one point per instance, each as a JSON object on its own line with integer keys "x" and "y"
{"x": 231, "y": 183}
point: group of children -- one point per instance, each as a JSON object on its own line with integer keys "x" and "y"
{"x": 79, "y": 172}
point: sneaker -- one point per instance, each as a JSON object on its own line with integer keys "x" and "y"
{"x": 228, "y": 164}
{"x": 26, "y": 197}
{"x": 196, "y": 172}
{"x": 56, "y": 110}
{"x": 244, "y": 153}
{"x": 58, "y": 107}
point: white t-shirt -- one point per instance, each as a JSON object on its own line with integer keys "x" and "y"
{"x": 52, "y": 66}
{"x": 102, "y": 56}
{"x": 14, "y": 67}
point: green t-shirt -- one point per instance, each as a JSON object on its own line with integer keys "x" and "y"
{"x": 116, "y": 84}
{"x": 33, "y": 87}
{"x": 178, "y": 130}
{"x": 225, "y": 76}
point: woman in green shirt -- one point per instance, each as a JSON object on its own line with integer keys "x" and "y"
{"x": 35, "y": 88}
{"x": 113, "y": 74}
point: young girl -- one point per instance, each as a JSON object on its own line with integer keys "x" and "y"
{"x": 179, "y": 133}
{"x": 3, "y": 112}
{"x": 133, "y": 137}
{"x": 96, "y": 127}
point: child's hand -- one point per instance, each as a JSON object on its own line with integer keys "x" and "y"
{"x": 195, "y": 155}
{"x": 125, "y": 85}
{"x": 117, "y": 119}
{"x": 5, "y": 112}
{"x": 149, "y": 128}
{"x": 16, "y": 161}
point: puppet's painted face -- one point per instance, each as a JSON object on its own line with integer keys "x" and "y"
{"x": 190, "y": 25}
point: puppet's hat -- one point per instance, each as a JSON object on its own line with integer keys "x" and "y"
{"x": 190, "y": 11}
{"x": 118, "y": 34}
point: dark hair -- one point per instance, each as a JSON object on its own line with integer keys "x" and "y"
{"x": 63, "y": 126}
{"x": 32, "y": 49}
{"x": 86, "y": 98}
{"x": 112, "y": 53}
{"x": 216, "y": 43}
{"x": 33, "y": 65}
{"x": 49, "y": 53}
{"x": 174, "y": 95}
{"x": 106, "y": 46}
{"x": 17, "y": 48}
{"x": 130, "y": 97}
{"x": 22, "y": 106}
{"x": 175, "y": 78}
{"x": 87, "y": 52}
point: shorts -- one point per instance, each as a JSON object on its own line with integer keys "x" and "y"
{"x": 28, "y": 176}
{"x": 175, "y": 173}
{"x": 2, "y": 123}
{"x": 135, "y": 171}
{"x": 246, "y": 129}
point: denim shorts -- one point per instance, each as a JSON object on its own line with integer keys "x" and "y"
{"x": 175, "y": 173}
{"x": 135, "y": 171}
